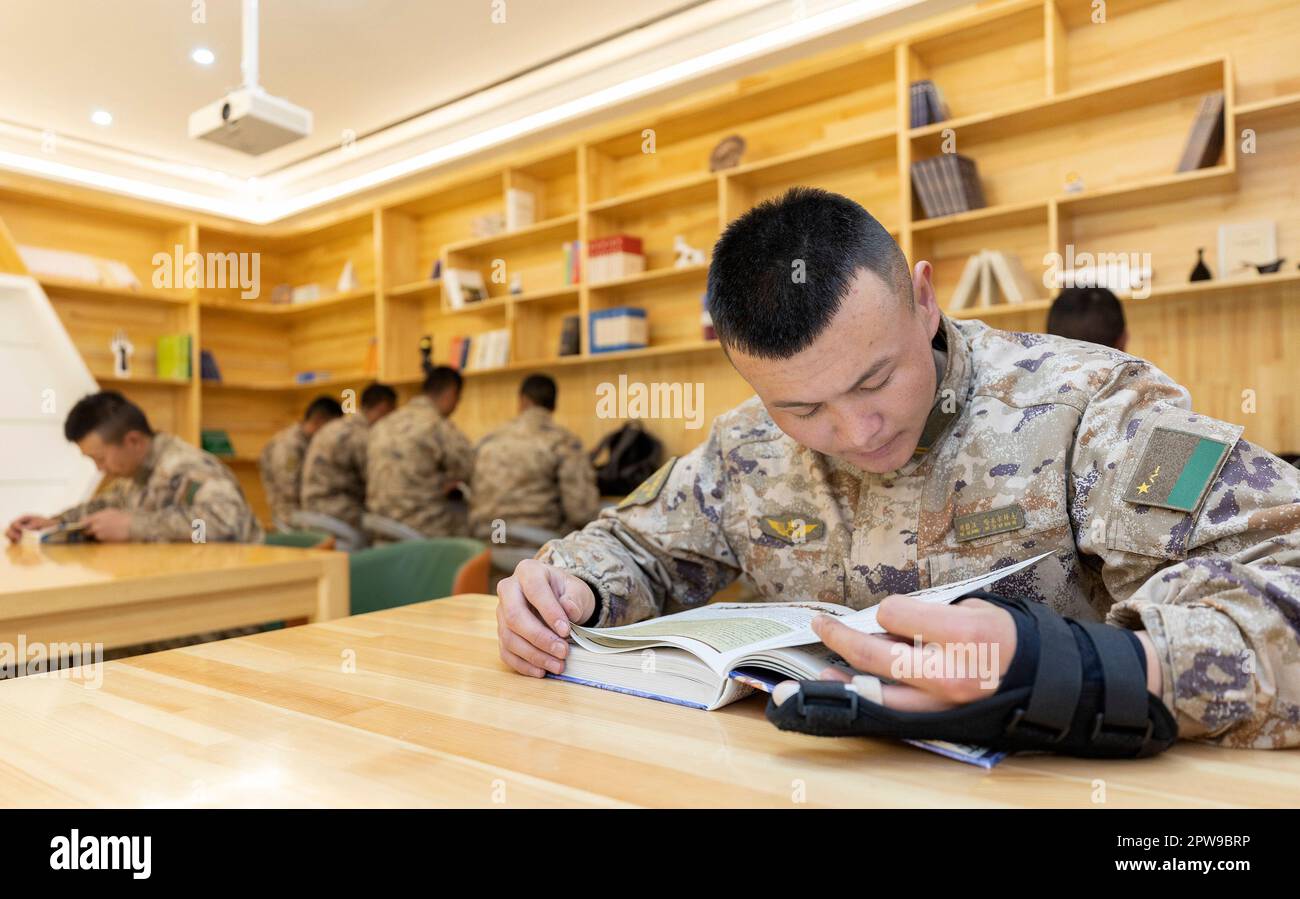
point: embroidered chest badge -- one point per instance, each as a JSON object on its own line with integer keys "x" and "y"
{"x": 793, "y": 529}
{"x": 994, "y": 521}
{"x": 1176, "y": 470}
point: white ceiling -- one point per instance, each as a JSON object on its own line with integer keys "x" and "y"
{"x": 421, "y": 83}
{"x": 357, "y": 64}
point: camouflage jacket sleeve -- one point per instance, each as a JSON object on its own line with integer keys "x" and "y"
{"x": 579, "y": 495}
{"x": 1197, "y": 536}
{"x": 663, "y": 544}
{"x": 214, "y": 501}
{"x": 113, "y": 496}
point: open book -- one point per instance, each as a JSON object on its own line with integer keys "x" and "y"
{"x": 709, "y": 657}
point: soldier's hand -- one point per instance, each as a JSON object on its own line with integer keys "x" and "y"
{"x": 26, "y": 523}
{"x": 965, "y": 650}
{"x": 109, "y": 525}
{"x": 535, "y": 606}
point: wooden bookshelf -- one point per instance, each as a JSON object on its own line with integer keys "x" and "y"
{"x": 1037, "y": 90}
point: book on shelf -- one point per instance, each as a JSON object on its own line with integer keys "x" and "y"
{"x": 1243, "y": 245}
{"x": 208, "y": 368}
{"x": 1205, "y": 140}
{"x": 1012, "y": 279}
{"x": 69, "y": 265}
{"x": 489, "y": 224}
{"x": 947, "y": 184}
{"x": 714, "y": 655}
{"x": 216, "y": 441}
{"x": 572, "y": 262}
{"x": 613, "y": 257}
{"x": 488, "y": 349}
{"x": 172, "y": 361}
{"x": 989, "y": 274}
{"x": 521, "y": 208}
{"x": 569, "y": 336}
{"x": 456, "y": 351}
{"x": 927, "y": 104}
{"x": 464, "y": 286}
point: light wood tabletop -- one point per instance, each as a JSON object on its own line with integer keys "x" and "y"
{"x": 119, "y": 594}
{"x": 411, "y": 707}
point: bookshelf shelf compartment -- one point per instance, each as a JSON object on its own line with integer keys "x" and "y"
{"x": 417, "y": 289}
{"x": 995, "y": 62}
{"x": 653, "y": 277}
{"x": 86, "y": 290}
{"x": 828, "y": 98}
{"x": 1187, "y": 79}
{"x": 695, "y": 188}
{"x": 256, "y": 307}
{"x": 558, "y": 229}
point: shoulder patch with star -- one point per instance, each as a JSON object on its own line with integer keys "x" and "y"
{"x": 1176, "y": 470}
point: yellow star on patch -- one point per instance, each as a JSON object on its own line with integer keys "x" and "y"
{"x": 1143, "y": 488}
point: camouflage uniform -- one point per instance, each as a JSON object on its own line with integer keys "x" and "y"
{"x": 1035, "y": 443}
{"x": 334, "y": 473}
{"x": 532, "y": 471}
{"x": 281, "y": 468}
{"x": 176, "y": 484}
{"x": 413, "y": 456}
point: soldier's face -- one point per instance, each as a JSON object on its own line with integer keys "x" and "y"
{"x": 863, "y": 390}
{"x": 117, "y": 460}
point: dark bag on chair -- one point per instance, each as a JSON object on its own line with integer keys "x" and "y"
{"x": 633, "y": 455}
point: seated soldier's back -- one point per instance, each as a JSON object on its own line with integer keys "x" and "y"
{"x": 517, "y": 474}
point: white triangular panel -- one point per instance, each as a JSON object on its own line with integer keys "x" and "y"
{"x": 42, "y": 376}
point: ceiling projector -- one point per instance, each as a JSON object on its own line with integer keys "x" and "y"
{"x": 251, "y": 120}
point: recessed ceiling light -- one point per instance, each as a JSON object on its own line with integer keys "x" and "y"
{"x": 203, "y": 56}
{"x": 101, "y": 117}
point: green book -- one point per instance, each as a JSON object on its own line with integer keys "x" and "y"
{"x": 216, "y": 442}
{"x": 174, "y": 357}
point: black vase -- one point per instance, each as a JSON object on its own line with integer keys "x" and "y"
{"x": 1201, "y": 273}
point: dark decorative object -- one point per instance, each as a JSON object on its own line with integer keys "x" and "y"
{"x": 726, "y": 155}
{"x": 208, "y": 369}
{"x": 426, "y": 353}
{"x": 1201, "y": 272}
{"x": 217, "y": 442}
{"x": 1268, "y": 268}
{"x": 569, "y": 336}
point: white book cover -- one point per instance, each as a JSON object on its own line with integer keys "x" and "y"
{"x": 965, "y": 290}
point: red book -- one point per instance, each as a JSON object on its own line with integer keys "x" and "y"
{"x": 617, "y": 243}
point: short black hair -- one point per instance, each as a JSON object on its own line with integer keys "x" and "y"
{"x": 441, "y": 377}
{"x": 540, "y": 390}
{"x": 377, "y": 394}
{"x": 1093, "y": 314}
{"x": 323, "y": 407}
{"x": 108, "y": 414}
{"x": 758, "y": 304}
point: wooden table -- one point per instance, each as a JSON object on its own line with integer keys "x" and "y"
{"x": 122, "y": 594}
{"x": 411, "y": 707}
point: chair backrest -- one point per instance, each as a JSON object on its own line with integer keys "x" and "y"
{"x": 301, "y": 539}
{"x": 346, "y": 537}
{"x": 473, "y": 575}
{"x": 387, "y": 528}
{"x": 398, "y": 574}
